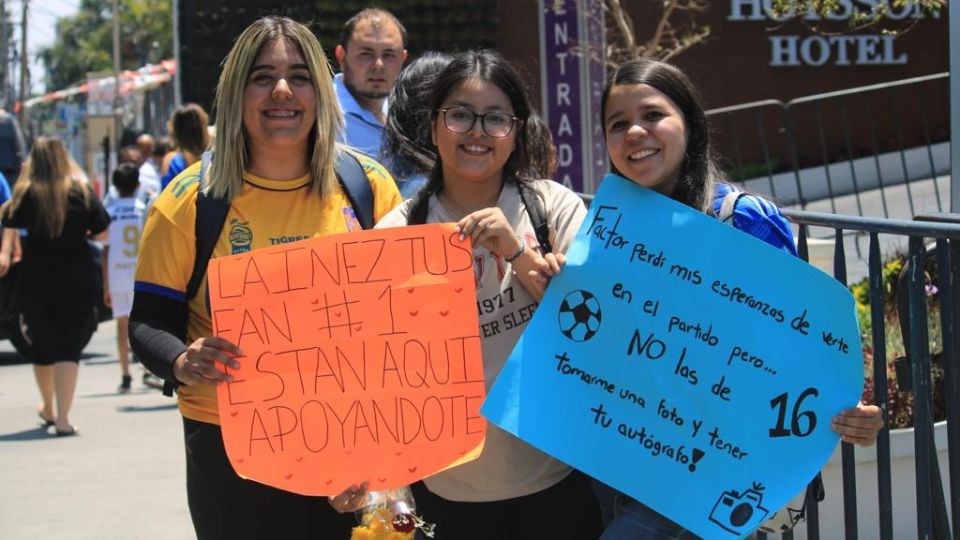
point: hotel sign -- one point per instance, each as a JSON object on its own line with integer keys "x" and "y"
{"x": 874, "y": 49}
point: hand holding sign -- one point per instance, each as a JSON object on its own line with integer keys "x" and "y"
{"x": 660, "y": 359}
{"x": 361, "y": 359}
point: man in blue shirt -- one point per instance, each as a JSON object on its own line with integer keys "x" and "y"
{"x": 371, "y": 54}
{"x": 4, "y": 189}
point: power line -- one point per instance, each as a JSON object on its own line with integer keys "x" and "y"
{"x": 69, "y": 3}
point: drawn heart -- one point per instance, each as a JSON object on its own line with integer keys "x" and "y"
{"x": 299, "y": 459}
{"x": 458, "y": 289}
{"x": 397, "y": 453}
{"x": 330, "y": 481}
{"x": 317, "y": 301}
{"x": 410, "y": 290}
{"x": 445, "y": 313}
{"x": 357, "y": 327}
{"x": 234, "y": 413}
{"x": 348, "y": 452}
{"x": 412, "y": 470}
{"x": 414, "y": 313}
{"x": 239, "y": 460}
{"x": 337, "y": 314}
{"x": 288, "y": 476}
{"x": 382, "y": 480}
{"x": 462, "y": 452}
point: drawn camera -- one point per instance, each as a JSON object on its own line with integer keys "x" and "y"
{"x": 739, "y": 512}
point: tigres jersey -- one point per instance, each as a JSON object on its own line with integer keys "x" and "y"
{"x": 266, "y": 213}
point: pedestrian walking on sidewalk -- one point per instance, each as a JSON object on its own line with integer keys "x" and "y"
{"x": 120, "y": 258}
{"x": 57, "y": 287}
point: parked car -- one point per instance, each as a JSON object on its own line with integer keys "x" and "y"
{"x": 12, "y": 148}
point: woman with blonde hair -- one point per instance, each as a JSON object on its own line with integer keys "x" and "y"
{"x": 274, "y": 161}
{"x": 57, "y": 286}
{"x": 188, "y": 131}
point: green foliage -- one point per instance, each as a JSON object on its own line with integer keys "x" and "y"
{"x": 85, "y": 40}
{"x": 858, "y": 15}
{"x": 899, "y": 404}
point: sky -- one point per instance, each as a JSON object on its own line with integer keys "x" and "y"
{"x": 41, "y": 32}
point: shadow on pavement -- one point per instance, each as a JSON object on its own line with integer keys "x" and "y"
{"x": 115, "y": 393}
{"x": 97, "y": 359}
{"x": 148, "y": 408}
{"x": 32, "y": 434}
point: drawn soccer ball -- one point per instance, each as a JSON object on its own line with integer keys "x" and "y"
{"x": 579, "y": 316}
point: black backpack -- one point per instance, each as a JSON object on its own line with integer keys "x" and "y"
{"x": 212, "y": 214}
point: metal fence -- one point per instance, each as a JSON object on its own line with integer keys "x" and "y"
{"x": 869, "y": 151}
{"x": 932, "y": 506}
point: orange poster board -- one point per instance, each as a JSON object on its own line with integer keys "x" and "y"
{"x": 361, "y": 359}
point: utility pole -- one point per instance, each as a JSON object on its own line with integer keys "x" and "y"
{"x": 117, "y": 111}
{"x": 24, "y": 66}
{"x": 178, "y": 78}
{"x": 954, "y": 110}
{"x": 4, "y": 54}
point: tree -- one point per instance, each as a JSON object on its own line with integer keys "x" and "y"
{"x": 677, "y": 30}
{"x": 823, "y": 16}
{"x": 85, "y": 41}
{"x": 671, "y": 35}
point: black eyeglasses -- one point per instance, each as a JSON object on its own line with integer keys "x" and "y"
{"x": 461, "y": 120}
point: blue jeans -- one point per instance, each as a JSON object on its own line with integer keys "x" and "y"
{"x": 625, "y": 518}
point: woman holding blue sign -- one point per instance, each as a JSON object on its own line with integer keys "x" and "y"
{"x": 486, "y": 148}
{"x": 657, "y": 136}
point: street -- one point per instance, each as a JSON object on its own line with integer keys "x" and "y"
{"x": 122, "y": 477}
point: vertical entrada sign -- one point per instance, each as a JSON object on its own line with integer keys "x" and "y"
{"x": 571, "y": 75}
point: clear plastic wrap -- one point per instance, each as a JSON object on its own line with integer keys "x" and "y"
{"x": 390, "y": 515}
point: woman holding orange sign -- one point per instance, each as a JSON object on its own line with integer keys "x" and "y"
{"x": 277, "y": 122}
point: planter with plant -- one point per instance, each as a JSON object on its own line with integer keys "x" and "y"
{"x": 900, "y": 404}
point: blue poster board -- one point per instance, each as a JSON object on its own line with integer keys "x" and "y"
{"x": 685, "y": 363}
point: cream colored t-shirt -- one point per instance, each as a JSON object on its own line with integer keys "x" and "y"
{"x": 508, "y": 467}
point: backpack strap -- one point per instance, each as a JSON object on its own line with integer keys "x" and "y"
{"x": 728, "y": 206}
{"x": 356, "y": 187}
{"x": 538, "y": 216}
{"x": 211, "y": 215}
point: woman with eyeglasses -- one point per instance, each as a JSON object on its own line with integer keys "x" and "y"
{"x": 479, "y": 125}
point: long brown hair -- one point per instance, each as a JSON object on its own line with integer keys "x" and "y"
{"x": 230, "y": 160}
{"x": 48, "y": 175}
{"x": 699, "y": 170}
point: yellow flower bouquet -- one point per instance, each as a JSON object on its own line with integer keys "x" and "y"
{"x": 389, "y": 515}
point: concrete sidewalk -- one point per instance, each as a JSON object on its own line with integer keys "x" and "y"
{"x": 122, "y": 477}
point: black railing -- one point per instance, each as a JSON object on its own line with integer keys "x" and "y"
{"x": 930, "y": 509}
{"x": 931, "y": 506}
{"x": 862, "y": 151}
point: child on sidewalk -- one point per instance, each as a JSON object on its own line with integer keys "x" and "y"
{"x": 120, "y": 258}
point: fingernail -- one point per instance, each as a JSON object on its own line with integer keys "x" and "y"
{"x": 461, "y": 237}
